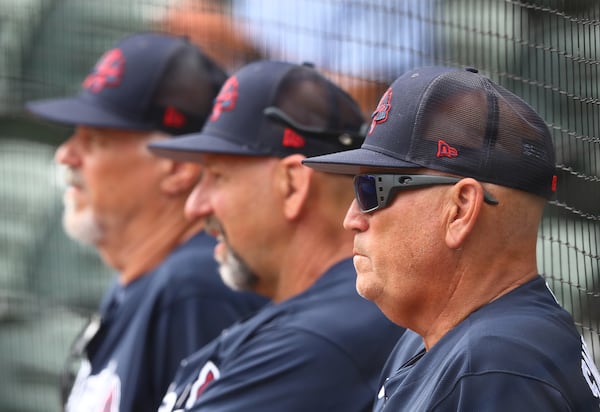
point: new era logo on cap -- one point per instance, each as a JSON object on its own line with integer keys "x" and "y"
{"x": 173, "y": 118}
{"x": 458, "y": 122}
{"x": 292, "y": 139}
{"x": 445, "y": 150}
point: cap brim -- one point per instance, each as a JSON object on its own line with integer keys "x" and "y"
{"x": 353, "y": 162}
{"x": 75, "y": 110}
{"x": 186, "y": 148}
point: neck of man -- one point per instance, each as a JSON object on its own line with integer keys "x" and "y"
{"x": 308, "y": 254}
{"x": 471, "y": 290}
{"x": 145, "y": 241}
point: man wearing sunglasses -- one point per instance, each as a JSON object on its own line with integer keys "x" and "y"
{"x": 319, "y": 346}
{"x": 450, "y": 185}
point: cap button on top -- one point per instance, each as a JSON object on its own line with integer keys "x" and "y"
{"x": 471, "y": 69}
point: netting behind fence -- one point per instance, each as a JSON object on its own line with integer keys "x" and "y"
{"x": 546, "y": 51}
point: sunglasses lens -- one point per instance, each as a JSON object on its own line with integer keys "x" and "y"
{"x": 366, "y": 192}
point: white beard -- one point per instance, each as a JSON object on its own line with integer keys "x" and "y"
{"x": 81, "y": 225}
{"x": 234, "y": 272}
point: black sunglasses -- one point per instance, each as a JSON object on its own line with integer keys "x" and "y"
{"x": 376, "y": 191}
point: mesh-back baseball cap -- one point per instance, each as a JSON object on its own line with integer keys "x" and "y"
{"x": 454, "y": 121}
{"x": 272, "y": 108}
{"x": 148, "y": 81}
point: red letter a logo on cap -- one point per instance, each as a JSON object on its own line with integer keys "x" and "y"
{"x": 108, "y": 72}
{"x": 226, "y": 98}
{"x": 380, "y": 115}
{"x": 445, "y": 150}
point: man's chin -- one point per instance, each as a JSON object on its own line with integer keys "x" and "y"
{"x": 230, "y": 279}
{"x": 236, "y": 278}
{"x": 82, "y": 226}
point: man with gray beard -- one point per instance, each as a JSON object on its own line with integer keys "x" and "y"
{"x": 81, "y": 225}
{"x": 319, "y": 346}
{"x": 233, "y": 270}
{"x": 167, "y": 300}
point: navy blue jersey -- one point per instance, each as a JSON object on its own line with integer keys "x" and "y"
{"x": 321, "y": 350}
{"x": 149, "y": 325}
{"x": 519, "y": 353}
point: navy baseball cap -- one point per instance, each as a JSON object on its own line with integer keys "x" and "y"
{"x": 458, "y": 122}
{"x": 148, "y": 81}
{"x": 273, "y": 108}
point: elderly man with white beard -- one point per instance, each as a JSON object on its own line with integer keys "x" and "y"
{"x": 168, "y": 299}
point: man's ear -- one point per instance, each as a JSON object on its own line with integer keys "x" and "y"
{"x": 180, "y": 178}
{"x": 465, "y": 205}
{"x": 294, "y": 181}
